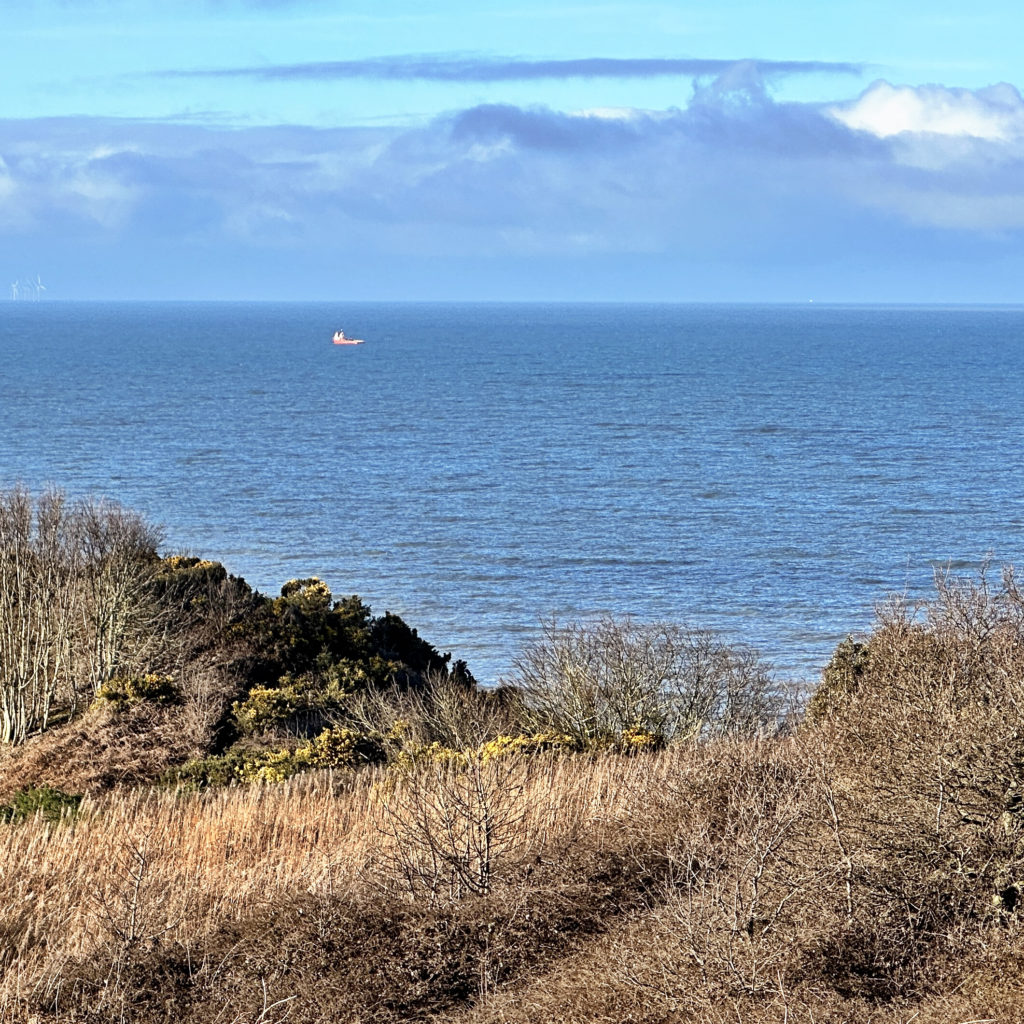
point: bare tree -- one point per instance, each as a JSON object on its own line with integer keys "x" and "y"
{"x": 74, "y": 601}
{"x": 452, "y": 824}
{"x": 38, "y": 576}
{"x": 119, "y": 562}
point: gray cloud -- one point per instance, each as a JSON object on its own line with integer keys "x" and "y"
{"x": 733, "y": 112}
{"x": 456, "y": 68}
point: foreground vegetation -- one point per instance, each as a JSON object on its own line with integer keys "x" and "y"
{"x": 268, "y": 810}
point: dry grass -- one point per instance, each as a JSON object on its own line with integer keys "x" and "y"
{"x": 728, "y": 881}
{"x": 107, "y": 747}
{"x": 785, "y": 903}
{"x": 146, "y": 869}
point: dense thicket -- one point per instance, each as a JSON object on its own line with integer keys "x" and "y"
{"x": 170, "y": 668}
{"x": 171, "y": 665}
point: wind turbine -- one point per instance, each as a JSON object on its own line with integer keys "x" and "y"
{"x": 14, "y": 291}
{"x": 39, "y": 286}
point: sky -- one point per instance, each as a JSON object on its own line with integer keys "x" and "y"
{"x": 512, "y": 150}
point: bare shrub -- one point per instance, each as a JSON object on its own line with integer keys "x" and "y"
{"x": 206, "y": 697}
{"x": 444, "y": 709}
{"x": 595, "y": 680}
{"x": 119, "y": 563}
{"x": 132, "y": 907}
{"x": 739, "y": 821}
{"x": 453, "y": 823}
{"x": 924, "y": 784}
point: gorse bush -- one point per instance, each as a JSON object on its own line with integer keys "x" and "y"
{"x": 268, "y": 707}
{"x": 587, "y": 688}
{"x": 122, "y": 691}
{"x": 840, "y": 678}
{"x": 502, "y": 747}
{"x": 309, "y": 697}
{"x": 333, "y": 748}
{"x": 522, "y": 745}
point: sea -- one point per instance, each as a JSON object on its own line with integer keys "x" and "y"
{"x": 770, "y": 472}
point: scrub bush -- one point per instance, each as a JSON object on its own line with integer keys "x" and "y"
{"x": 124, "y": 691}
{"x": 45, "y": 801}
{"x": 332, "y": 748}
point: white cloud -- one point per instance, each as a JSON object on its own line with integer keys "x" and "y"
{"x": 617, "y": 113}
{"x": 994, "y": 114}
{"x": 6, "y": 181}
{"x": 98, "y": 196}
{"x": 12, "y": 214}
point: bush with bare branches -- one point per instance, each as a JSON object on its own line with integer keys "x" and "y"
{"x": 453, "y": 824}
{"x": 596, "y": 680}
{"x": 445, "y": 709}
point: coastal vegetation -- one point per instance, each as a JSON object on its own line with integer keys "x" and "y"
{"x": 217, "y": 805}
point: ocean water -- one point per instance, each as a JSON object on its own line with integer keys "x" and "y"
{"x": 767, "y": 471}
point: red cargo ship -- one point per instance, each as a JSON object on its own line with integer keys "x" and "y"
{"x": 340, "y": 339}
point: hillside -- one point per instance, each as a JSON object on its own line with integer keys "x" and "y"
{"x": 255, "y": 810}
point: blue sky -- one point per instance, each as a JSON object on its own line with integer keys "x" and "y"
{"x": 521, "y": 150}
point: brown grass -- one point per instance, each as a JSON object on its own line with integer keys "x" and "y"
{"x": 140, "y": 872}
{"x": 107, "y": 747}
{"x": 729, "y": 881}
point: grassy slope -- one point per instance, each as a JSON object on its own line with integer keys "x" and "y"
{"x": 695, "y": 884}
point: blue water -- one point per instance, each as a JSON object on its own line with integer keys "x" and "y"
{"x": 770, "y": 472}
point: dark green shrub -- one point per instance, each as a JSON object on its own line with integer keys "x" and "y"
{"x": 840, "y": 678}
{"x": 53, "y": 804}
{"x": 215, "y": 770}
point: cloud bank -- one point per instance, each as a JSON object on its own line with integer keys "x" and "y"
{"x": 897, "y": 177}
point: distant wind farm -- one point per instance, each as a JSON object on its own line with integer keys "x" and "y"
{"x": 27, "y": 290}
